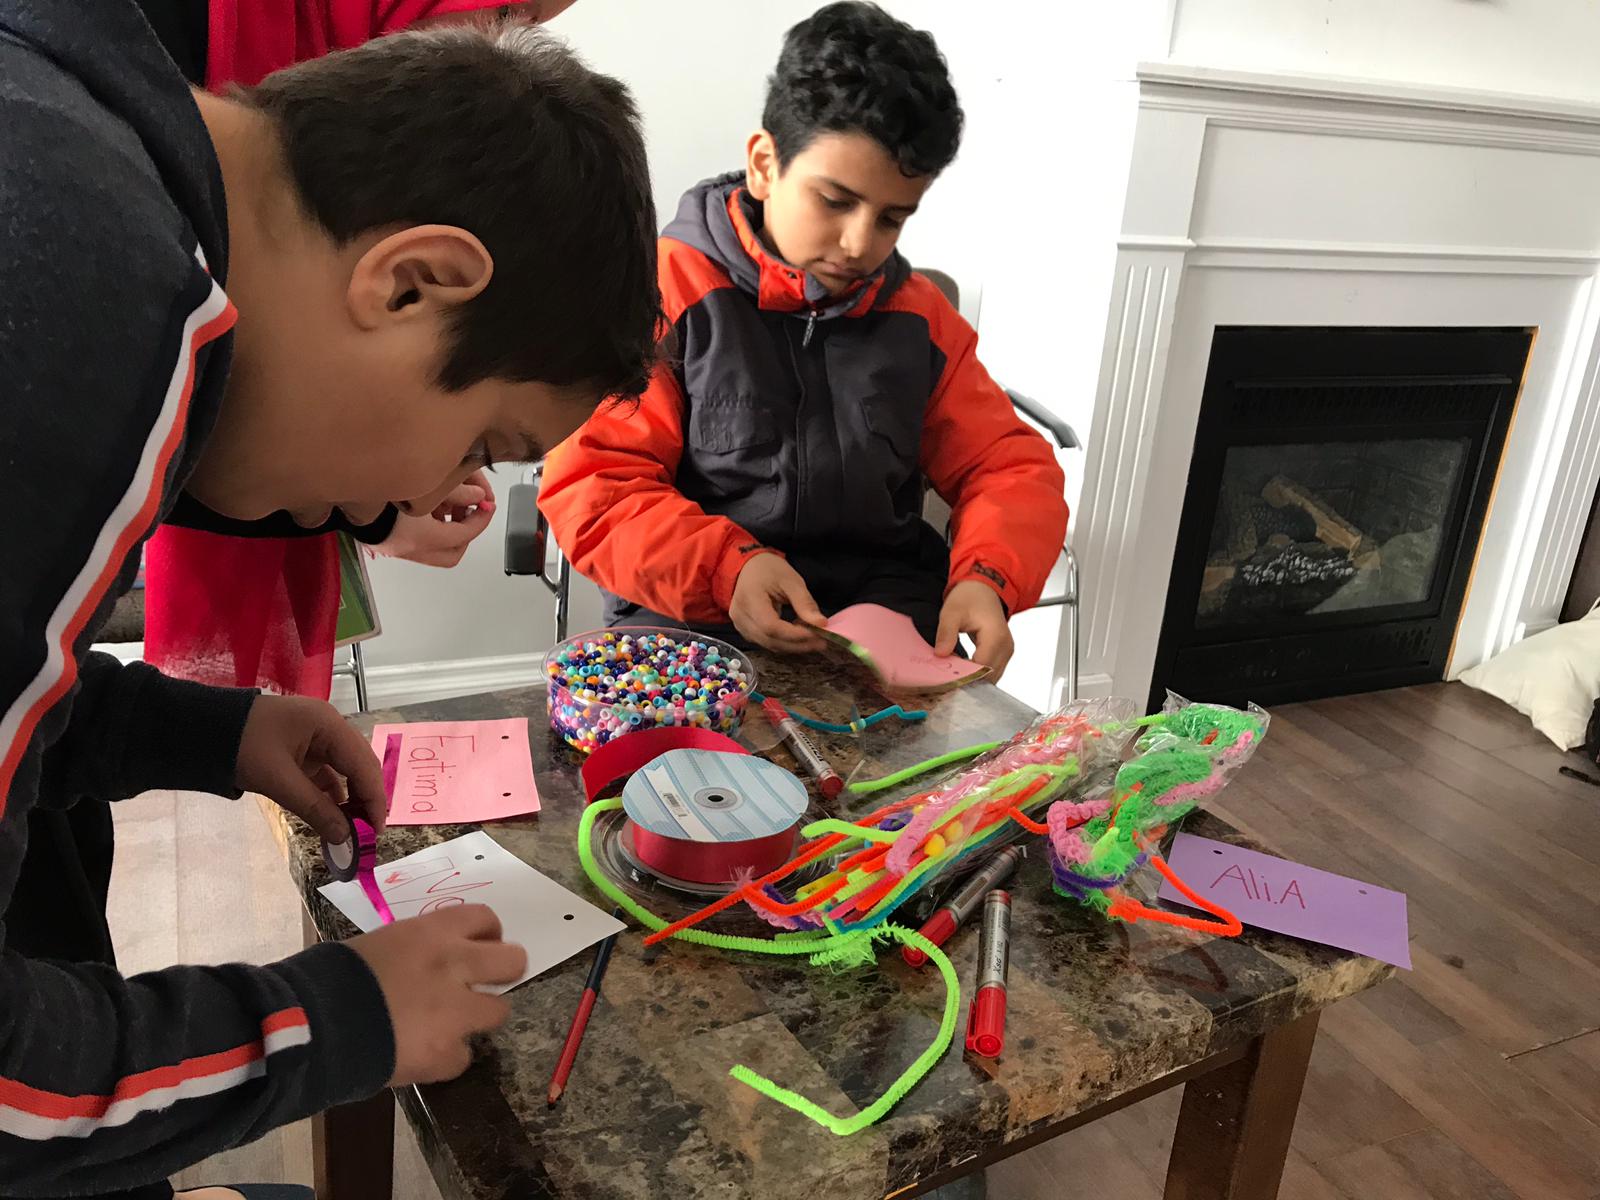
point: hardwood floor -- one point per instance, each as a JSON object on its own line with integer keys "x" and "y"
{"x": 1476, "y": 1075}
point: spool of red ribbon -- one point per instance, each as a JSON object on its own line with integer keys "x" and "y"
{"x": 711, "y": 862}
{"x": 692, "y": 817}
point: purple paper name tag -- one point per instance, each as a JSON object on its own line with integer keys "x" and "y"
{"x": 1285, "y": 897}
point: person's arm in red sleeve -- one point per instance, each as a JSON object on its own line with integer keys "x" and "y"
{"x": 999, "y": 476}
{"x": 610, "y": 495}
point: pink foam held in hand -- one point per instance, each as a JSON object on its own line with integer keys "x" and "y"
{"x": 898, "y": 653}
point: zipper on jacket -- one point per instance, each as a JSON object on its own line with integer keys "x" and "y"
{"x": 811, "y": 327}
{"x": 799, "y": 421}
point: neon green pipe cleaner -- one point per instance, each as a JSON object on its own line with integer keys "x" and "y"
{"x": 831, "y": 949}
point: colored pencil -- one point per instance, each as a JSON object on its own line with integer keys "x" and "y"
{"x": 580, "y": 1019}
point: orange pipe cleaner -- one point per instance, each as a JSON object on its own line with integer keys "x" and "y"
{"x": 1027, "y": 822}
{"x": 1131, "y": 910}
{"x": 779, "y": 908}
{"x": 863, "y": 901}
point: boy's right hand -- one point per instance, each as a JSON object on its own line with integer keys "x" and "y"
{"x": 765, "y": 585}
{"x": 429, "y": 968}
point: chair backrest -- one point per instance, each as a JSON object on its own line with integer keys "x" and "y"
{"x": 1059, "y": 430}
{"x": 947, "y": 285}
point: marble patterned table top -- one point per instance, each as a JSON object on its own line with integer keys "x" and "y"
{"x": 1096, "y": 1010}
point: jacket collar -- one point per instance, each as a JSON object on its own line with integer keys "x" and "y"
{"x": 721, "y": 220}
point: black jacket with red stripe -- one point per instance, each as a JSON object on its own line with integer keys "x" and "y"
{"x": 113, "y": 352}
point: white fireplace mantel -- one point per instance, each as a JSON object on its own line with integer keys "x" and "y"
{"x": 1301, "y": 201}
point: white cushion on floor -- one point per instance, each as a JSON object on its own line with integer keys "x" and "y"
{"x": 1553, "y": 678}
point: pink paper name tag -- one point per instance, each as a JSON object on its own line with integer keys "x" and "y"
{"x": 460, "y": 772}
{"x": 1286, "y": 897}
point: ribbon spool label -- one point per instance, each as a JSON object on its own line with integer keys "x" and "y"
{"x": 709, "y": 816}
{"x": 706, "y": 796}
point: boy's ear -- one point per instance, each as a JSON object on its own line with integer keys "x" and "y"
{"x": 761, "y": 165}
{"x": 418, "y": 271}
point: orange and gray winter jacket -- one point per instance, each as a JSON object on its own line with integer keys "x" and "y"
{"x": 784, "y": 420}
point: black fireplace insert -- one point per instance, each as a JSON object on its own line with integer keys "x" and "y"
{"x": 1334, "y": 503}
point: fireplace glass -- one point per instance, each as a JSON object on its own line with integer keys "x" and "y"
{"x": 1306, "y": 529}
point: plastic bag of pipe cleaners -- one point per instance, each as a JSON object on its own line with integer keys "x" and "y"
{"x": 1183, "y": 754}
{"x": 1058, "y": 753}
{"x": 883, "y": 860}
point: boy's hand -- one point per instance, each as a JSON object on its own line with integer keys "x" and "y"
{"x": 974, "y": 608}
{"x": 429, "y": 968}
{"x": 765, "y": 584}
{"x": 302, "y": 754}
{"x": 440, "y": 538}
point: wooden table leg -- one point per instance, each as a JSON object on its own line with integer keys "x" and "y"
{"x": 352, "y": 1150}
{"x": 1234, "y": 1126}
{"x": 352, "y": 1146}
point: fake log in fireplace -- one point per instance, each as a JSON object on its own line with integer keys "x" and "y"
{"x": 1335, "y": 498}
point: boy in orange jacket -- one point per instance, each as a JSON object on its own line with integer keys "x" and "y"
{"x": 813, "y": 385}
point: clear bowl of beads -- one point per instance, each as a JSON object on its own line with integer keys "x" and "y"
{"x": 613, "y": 681}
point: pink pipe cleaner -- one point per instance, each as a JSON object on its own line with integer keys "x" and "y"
{"x": 1064, "y": 818}
{"x": 798, "y": 921}
{"x": 1191, "y": 791}
{"x": 1055, "y": 740}
{"x": 1213, "y": 782}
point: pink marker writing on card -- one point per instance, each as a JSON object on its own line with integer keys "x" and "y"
{"x": 460, "y": 772}
{"x": 1287, "y": 897}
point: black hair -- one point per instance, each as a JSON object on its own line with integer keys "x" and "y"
{"x": 852, "y": 68}
{"x": 505, "y": 133}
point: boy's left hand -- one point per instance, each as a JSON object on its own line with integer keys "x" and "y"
{"x": 304, "y": 756}
{"x": 974, "y": 608}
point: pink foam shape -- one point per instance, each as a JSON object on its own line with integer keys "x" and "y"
{"x": 898, "y": 652}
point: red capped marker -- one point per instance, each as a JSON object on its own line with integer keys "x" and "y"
{"x": 986, "y": 1020}
{"x": 955, "y": 912}
{"x": 828, "y": 780}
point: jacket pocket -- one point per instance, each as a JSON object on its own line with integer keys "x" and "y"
{"x": 731, "y": 452}
{"x": 732, "y": 427}
{"x": 897, "y": 420}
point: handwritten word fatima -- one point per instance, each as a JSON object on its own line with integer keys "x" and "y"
{"x": 428, "y": 768}
{"x": 1256, "y": 888}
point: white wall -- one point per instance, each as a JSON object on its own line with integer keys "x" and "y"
{"x": 1025, "y": 220}
{"x": 1049, "y": 147}
{"x": 1538, "y": 47}
{"x": 471, "y": 611}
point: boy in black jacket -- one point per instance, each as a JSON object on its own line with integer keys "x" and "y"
{"x": 437, "y": 249}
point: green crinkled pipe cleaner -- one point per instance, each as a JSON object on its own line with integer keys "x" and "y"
{"x": 821, "y": 949}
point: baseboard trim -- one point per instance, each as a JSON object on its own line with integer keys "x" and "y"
{"x": 419, "y": 683}
{"x": 407, "y": 683}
